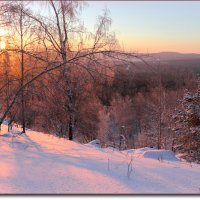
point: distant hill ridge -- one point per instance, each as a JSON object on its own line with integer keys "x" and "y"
{"x": 175, "y": 56}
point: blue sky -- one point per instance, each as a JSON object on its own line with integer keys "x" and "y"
{"x": 151, "y": 26}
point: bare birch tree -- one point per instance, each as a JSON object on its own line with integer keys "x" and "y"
{"x": 68, "y": 43}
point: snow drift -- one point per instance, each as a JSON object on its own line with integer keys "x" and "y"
{"x": 94, "y": 143}
{"x": 155, "y": 154}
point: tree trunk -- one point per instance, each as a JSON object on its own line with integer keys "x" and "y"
{"x": 160, "y": 111}
{"x": 22, "y": 75}
{"x": 69, "y": 95}
{"x": 70, "y": 129}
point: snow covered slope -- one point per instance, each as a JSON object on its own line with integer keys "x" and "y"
{"x": 41, "y": 163}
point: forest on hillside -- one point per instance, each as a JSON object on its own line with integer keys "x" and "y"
{"x": 59, "y": 78}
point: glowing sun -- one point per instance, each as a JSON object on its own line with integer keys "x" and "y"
{"x": 2, "y": 45}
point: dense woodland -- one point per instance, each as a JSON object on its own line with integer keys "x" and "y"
{"x": 61, "y": 79}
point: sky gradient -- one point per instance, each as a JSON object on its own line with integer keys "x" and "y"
{"x": 146, "y": 26}
{"x": 151, "y": 26}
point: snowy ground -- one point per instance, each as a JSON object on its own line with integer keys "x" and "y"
{"x": 40, "y": 163}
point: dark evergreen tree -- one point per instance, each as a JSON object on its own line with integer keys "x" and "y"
{"x": 187, "y": 126}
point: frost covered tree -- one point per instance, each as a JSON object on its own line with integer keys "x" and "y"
{"x": 65, "y": 44}
{"x": 187, "y": 126}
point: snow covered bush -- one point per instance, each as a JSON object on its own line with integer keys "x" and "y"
{"x": 187, "y": 126}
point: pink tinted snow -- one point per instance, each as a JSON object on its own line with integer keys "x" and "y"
{"x": 41, "y": 163}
